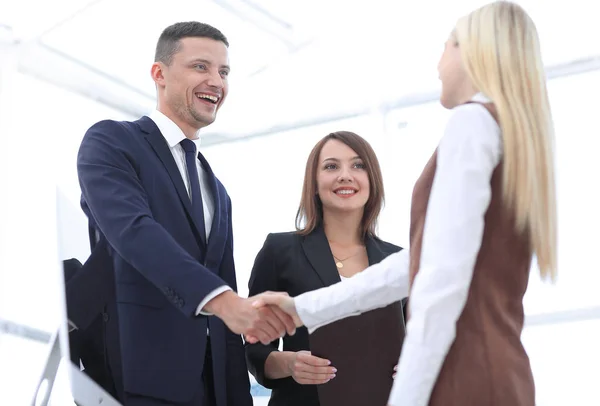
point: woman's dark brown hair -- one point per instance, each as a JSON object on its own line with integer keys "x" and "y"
{"x": 310, "y": 212}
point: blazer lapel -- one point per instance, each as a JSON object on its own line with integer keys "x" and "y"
{"x": 219, "y": 224}
{"x": 218, "y": 199}
{"x": 316, "y": 248}
{"x": 374, "y": 252}
{"x": 161, "y": 148}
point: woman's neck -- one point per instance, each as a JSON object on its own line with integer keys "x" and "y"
{"x": 343, "y": 229}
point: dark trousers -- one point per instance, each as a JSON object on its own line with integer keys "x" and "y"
{"x": 208, "y": 398}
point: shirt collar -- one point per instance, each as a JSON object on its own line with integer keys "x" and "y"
{"x": 169, "y": 130}
{"x": 481, "y": 98}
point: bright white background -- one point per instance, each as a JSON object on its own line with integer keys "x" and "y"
{"x": 336, "y": 64}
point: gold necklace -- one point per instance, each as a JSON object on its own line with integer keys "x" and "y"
{"x": 339, "y": 262}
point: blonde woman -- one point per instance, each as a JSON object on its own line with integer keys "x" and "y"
{"x": 483, "y": 206}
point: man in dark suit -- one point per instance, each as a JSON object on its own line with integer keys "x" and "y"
{"x": 167, "y": 222}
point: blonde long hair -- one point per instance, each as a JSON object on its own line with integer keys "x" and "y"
{"x": 501, "y": 52}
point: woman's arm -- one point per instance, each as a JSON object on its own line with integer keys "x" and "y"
{"x": 269, "y": 365}
{"x": 377, "y": 286}
{"x": 467, "y": 156}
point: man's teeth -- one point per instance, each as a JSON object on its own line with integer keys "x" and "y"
{"x": 345, "y": 192}
{"x": 212, "y": 98}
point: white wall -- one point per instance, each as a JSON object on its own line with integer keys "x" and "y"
{"x": 41, "y": 130}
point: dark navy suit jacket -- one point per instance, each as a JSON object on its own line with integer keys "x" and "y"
{"x": 133, "y": 191}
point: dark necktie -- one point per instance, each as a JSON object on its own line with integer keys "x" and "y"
{"x": 197, "y": 207}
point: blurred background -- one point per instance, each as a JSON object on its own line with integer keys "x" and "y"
{"x": 300, "y": 69}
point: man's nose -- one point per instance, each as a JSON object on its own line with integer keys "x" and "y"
{"x": 215, "y": 80}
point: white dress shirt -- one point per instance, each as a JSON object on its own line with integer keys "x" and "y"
{"x": 468, "y": 153}
{"x": 173, "y": 135}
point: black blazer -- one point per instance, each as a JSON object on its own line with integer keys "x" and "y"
{"x": 289, "y": 262}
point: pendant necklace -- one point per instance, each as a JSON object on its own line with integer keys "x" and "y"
{"x": 339, "y": 262}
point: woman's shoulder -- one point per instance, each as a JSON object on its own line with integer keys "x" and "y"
{"x": 387, "y": 246}
{"x": 472, "y": 116}
{"x": 283, "y": 238}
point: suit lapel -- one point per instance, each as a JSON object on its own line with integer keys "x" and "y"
{"x": 161, "y": 148}
{"x": 219, "y": 224}
{"x": 374, "y": 252}
{"x": 316, "y": 248}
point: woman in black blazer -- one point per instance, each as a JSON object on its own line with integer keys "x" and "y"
{"x": 335, "y": 239}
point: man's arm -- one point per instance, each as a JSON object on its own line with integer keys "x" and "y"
{"x": 119, "y": 205}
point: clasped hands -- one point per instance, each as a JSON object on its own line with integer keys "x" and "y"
{"x": 261, "y": 318}
{"x": 271, "y": 305}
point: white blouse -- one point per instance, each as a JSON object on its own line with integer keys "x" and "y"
{"x": 468, "y": 153}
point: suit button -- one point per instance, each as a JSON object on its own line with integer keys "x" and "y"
{"x": 105, "y": 317}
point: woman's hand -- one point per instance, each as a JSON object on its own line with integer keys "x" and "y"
{"x": 306, "y": 369}
{"x": 281, "y": 300}
{"x": 278, "y": 302}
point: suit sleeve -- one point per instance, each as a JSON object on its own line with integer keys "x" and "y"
{"x": 236, "y": 369}
{"x": 120, "y": 207}
{"x": 263, "y": 278}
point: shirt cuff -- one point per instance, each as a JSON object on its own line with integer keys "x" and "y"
{"x": 208, "y": 298}
{"x": 418, "y": 370}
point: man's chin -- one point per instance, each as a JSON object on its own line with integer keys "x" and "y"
{"x": 205, "y": 121}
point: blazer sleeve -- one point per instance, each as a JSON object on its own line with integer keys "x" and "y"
{"x": 119, "y": 204}
{"x": 262, "y": 278}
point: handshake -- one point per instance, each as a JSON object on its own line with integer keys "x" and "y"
{"x": 265, "y": 317}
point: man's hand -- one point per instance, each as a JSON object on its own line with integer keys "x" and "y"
{"x": 281, "y": 300}
{"x": 276, "y": 300}
{"x": 257, "y": 323}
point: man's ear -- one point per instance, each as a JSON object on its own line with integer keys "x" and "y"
{"x": 157, "y": 72}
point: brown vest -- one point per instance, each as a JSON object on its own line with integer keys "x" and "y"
{"x": 487, "y": 364}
